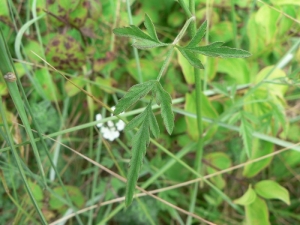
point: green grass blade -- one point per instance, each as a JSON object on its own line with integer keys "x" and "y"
{"x": 20, "y": 168}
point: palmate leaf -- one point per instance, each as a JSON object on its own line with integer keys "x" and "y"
{"x": 191, "y": 58}
{"x": 165, "y": 101}
{"x": 135, "y": 93}
{"x": 216, "y": 50}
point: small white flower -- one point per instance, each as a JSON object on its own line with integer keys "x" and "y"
{"x": 111, "y": 130}
{"x": 99, "y": 117}
{"x": 110, "y": 124}
{"x": 120, "y": 125}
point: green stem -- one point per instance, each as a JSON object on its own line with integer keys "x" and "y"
{"x": 165, "y": 64}
{"x": 199, "y": 150}
{"x": 181, "y": 33}
{"x": 185, "y": 8}
{"x": 135, "y": 51}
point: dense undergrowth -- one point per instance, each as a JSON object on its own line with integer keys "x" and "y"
{"x": 74, "y": 67}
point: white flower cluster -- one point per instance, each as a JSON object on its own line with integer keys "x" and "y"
{"x": 112, "y": 130}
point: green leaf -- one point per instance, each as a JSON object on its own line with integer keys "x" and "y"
{"x": 36, "y": 190}
{"x": 153, "y": 123}
{"x": 133, "y": 32}
{"x": 246, "y": 130}
{"x": 135, "y": 93}
{"x": 237, "y": 69}
{"x": 216, "y": 50}
{"x": 247, "y": 198}
{"x": 198, "y": 36}
{"x": 270, "y": 189}
{"x": 136, "y": 121}
{"x": 259, "y": 149}
{"x": 257, "y": 213}
{"x": 217, "y": 161}
{"x": 187, "y": 69}
{"x": 191, "y": 57}
{"x": 150, "y": 28}
{"x": 146, "y": 44}
{"x": 139, "y": 144}
{"x": 207, "y": 110}
{"x": 164, "y": 99}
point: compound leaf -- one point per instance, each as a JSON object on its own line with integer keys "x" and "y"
{"x": 135, "y": 93}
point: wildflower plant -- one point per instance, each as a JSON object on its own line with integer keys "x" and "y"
{"x": 146, "y": 123}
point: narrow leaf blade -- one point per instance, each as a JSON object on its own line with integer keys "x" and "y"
{"x": 198, "y": 36}
{"x": 140, "y": 141}
{"x": 146, "y": 44}
{"x": 216, "y": 50}
{"x": 154, "y": 128}
{"x": 135, "y": 93}
{"x": 246, "y": 133}
{"x": 132, "y": 32}
{"x": 136, "y": 121}
{"x": 164, "y": 99}
{"x": 191, "y": 58}
{"x": 150, "y": 28}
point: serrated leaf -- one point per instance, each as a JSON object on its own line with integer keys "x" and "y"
{"x": 248, "y": 197}
{"x": 191, "y": 58}
{"x": 246, "y": 130}
{"x": 135, "y": 93}
{"x": 132, "y": 32}
{"x": 150, "y": 28}
{"x": 146, "y": 44}
{"x": 139, "y": 144}
{"x": 217, "y": 50}
{"x": 270, "y": 189}
{"x": 136, "y": 121}
{"x": 153, "y": 123}
{"x": 198, "y": 36}
{"x": 164, "y": 99}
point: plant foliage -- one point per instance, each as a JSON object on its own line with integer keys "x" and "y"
{"x": 146, "y": 121}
